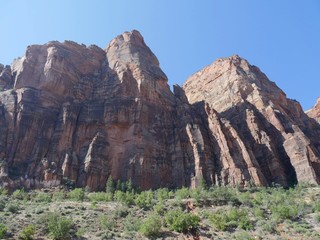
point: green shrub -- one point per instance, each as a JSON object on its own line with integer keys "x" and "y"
{"x": 59, "y": 195}
{"x": 42, "y": 197}
{"x": 77, "y": 194}
{"x": 121, "y": 212}
{"x": 243, "y": 236}
{"x": 222, "y": 196}
{"x": 3, "y": 231}
{"x": 246, "y": 199}
{"x": 182, "y": 193}
{"x": 100, "y": 197}
{"x": 220, "y": 221}
{"x": 19, "y": 194}
{"x": 144, "y": 199}
{"x": 110, "y": 185}
{"x": 268, "y": 226}
{"x": 316, "y": 206}
{"x": 159, "y": 208}
{"x": 80, "y": 232}
{"x": 231, "y": 219}
{"x": 58, "y": 226}
{"x": 124, "y": 197}
{"x": 151, "y": 226}
{"x": 317, "y": 218}
{"x": 163, "y": 194}
{"x": 2, "y": 203}
{"x": 131, "y": 224}
{"x": 3, "y": 191}
{"x": 179, "y": 221}
{"x": 12, "y": 207}
{"x": 282, "y": 211}
{"x": 27, "y": 233}
{"x": 258, "y": 212}
{"x": 106, "y": 222}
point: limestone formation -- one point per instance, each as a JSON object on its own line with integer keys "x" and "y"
{"x": 69, "y": 112}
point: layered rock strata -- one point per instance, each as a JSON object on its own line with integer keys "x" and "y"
{"x": 69, "y": 112}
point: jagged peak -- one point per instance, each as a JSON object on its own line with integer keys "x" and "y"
{"x": 129, "y": 47}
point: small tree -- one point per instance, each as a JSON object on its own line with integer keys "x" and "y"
{"x": 110, "y": 185}
{"x": 151, "y": 226}
{"x": 27, "y": 233}
{"x": 58, "y": 226}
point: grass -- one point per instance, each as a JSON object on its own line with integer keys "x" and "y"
{"x": 125, "y": 213}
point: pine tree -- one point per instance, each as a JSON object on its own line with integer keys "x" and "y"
{"x": 110, "y": 185}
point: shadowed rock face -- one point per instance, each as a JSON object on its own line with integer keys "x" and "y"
{"x": 83, "y": 113}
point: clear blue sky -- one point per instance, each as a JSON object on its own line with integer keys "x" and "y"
{"x": 282, "y": 37}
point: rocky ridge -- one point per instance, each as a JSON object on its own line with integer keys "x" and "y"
{"x": 72, "y": 112}
{"x": 315, "y": 111}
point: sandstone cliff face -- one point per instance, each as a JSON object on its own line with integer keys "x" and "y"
{"x": 68, "y": 111}
{"x": 263, "y": 136}
{"x": 315, "y": 111}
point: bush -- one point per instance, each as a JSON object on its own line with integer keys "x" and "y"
{"x": 2, "y": 204}
{"x": 182, "y": 193}
{"x": 163, "y": 194}
{"x": 27, "y": 233}
{"x": 131, "y": 224}
{"x": 282, "y": 211}
{"x": 267, "y": 225}
{"x": 179, "y": 221}
{"x": 77, "y": 194}
{"x": 58, "y": 226}
{"x": 258, "y": 212}
{"x": 13, "y": 207}
{"x": 243, "y": 236}
{"x": 59, "y": 195}
{"x": 222, "y": 196}
{"x": 121, "y": 212}
{"x": 151, "y": 226}
{"x": 19, "y": 194}
{"x": 317, "y": 218}
{"x": 42, "y": 197}
{"x": 144, "y": 199}
{"x": 232, "y": 219}
{"x": 124, "y": 197}
{"x": 3, "y": 191}
{"x": 316, "y": 207}
{"x": 3, "y": 231}
{"x": 100, "y": 197}
{"x": 159, "y": 208}
{"x": 106, "y": 222}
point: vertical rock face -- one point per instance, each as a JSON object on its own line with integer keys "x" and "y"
{"x": 315, "y": 111}
{"x": 263, "y": 136}
{"x": 80, "y": 113}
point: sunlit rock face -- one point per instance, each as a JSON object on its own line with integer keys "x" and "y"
{"x": 315, "y": 111}
{"x": 263, "y": 136}
{"x": 69, "y": 112}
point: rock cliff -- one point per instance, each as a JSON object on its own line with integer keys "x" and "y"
{"x": 72, "y": 112}
{"x": 315, "y": 111}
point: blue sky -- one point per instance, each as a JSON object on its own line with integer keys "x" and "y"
{"x": 281, "y": 37}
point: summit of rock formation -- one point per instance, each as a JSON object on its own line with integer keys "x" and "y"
{"x": 315, "y": 111}
{"x": 70, "y": 112}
